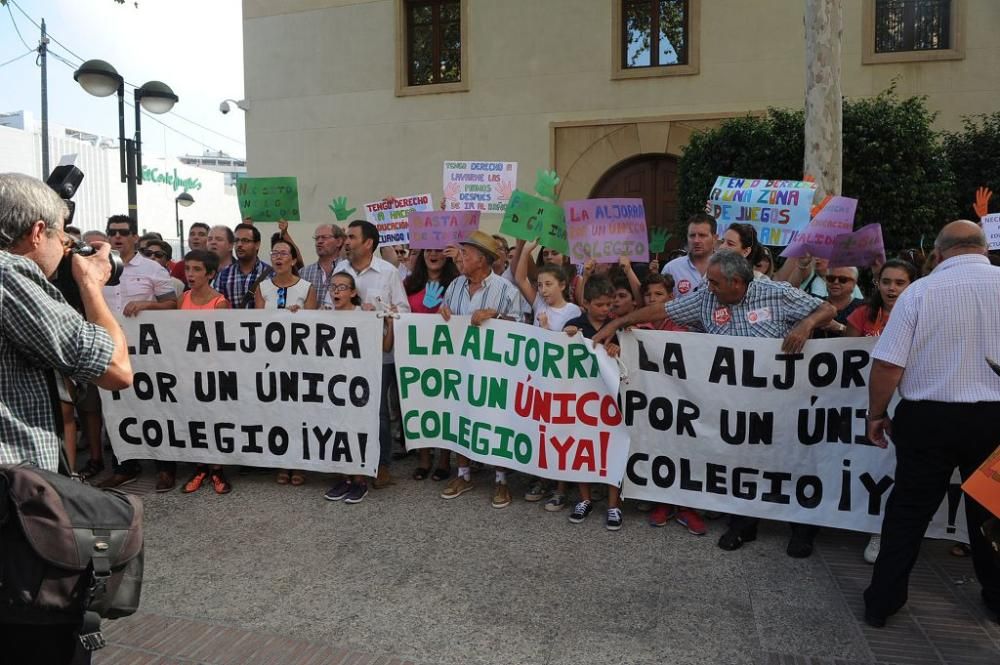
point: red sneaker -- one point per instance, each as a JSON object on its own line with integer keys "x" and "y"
{"x": 196, "y": 481}
{"x": 692, "y": 520}
{"x": 661, "y": 514}
{"x": 220, "y": 484}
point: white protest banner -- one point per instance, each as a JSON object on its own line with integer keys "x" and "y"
{"x": 778, "y": 209}
{"x": 817, "y": 239}
{"x": 991, "y": 227}
{"x": 734, "y": 425}
{"x": 251, "y": 387}
{"x": 482, "y": 186}
{"x": 391, "y": 217}
{"x": 511, "y": 395}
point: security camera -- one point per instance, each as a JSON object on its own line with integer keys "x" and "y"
{"x": 224, "y": 108}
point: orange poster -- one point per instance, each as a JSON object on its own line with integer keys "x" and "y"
{"x": 984, "y": 484}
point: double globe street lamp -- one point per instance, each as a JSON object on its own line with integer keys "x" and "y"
{"x": 101, "y": 79}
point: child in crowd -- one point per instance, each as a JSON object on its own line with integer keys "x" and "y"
{"x": 552, "y": 312}
{"x": 598, "y": 294}
{"x": 659, "y": 289}
{"x": 200, "y": 268}
{"x": 345, "y": 297}
{"x": 623, "y": 302}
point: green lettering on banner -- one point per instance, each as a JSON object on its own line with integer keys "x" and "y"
{"x": 415, "y": 348}
{"x": 442, "y": 340}
{"x": 268, "y": 199}
{"x": 531, "y": 218}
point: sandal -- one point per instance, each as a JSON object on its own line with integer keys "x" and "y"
{"x": 282, "y": 478}
{"x": 298, "y": 478}
{"x": 421, "y": 473}
{"x": 960, "y": 550}
{"x": 441, "y": 474}
{"x": 92, "y": 468}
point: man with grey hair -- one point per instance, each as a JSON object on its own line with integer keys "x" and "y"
{"x": 736, "y": 304}
{"x": 935, "y": 351}
{"x": 329, "y": 239}
{"x": 41, "y": 337}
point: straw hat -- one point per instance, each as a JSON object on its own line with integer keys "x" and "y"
{"x": 483, "y": 242}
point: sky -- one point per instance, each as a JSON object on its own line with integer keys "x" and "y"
{"x": 194, "y": 46}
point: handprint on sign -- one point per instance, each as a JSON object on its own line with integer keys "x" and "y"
{"x": 451, "y": 190}
{"x": 982, "y": 204}
{"x": 503, "y": 190}
{"x": 433, "y": 295}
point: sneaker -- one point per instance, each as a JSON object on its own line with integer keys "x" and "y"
{"x": 536, "y": 492}
{"x": 556, "y": 502}
{"x": 117, "y": 480}
{"x": 358, "y": 492}
{"x": 871, "y": 551}
{"x": 338, "y": 491}
{"x": 501, "y": 496}
{"x": 220, "y": 484}
{"x": 456, "y": 488}
{"x": 580, "y": 511}
{"x": 165, "y": 481}
{"x": 692, "y": 520}
{"x": 197, "y": 480}
{"x": 614, "y": 521}
{"x": 662, "y": 514}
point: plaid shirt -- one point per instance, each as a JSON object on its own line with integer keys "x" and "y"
{"x": 319, "y": 278}
{"x": 233, "y": 284}
{"x": 39, "y": 333}
{"x": 769, "y": 309}
{"x": 496, "y": 293}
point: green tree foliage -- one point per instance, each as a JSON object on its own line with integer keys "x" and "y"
{"x": 894, "y": 163}
{"x": 972, "y": 154}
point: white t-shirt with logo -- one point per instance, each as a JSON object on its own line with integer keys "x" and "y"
{"x": 685, "y": 274}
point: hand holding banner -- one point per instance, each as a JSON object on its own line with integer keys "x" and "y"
{"x": 606, "y": 229}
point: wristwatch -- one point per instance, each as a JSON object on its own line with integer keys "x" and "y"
{"x": 870, "y": 418}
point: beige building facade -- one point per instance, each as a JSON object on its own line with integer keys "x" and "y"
{"x": 548, "y": 84}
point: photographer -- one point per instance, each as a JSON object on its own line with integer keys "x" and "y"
{"x": 39, "y": 333}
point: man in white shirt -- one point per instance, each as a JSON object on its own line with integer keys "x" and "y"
{"x": 934, "y": 350}
{"x": 380, "y": 287}
{"x": 144, "y": 285}
{"x": 689, "y": 271}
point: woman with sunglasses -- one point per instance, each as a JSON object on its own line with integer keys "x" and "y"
{"x": 285, "y": 290}
{"x": 840, "y": 284}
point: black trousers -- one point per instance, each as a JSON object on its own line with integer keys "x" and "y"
{"x": 931, "y": 439}
{"x": 27, "y": 644}
{"x": 804, "y": 532}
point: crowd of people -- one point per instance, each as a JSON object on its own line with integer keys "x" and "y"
{"x": 715, "y": 284}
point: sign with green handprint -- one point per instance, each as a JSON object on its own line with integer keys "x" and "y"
{"x": 531, "y": 218}
{"x": 268, "y": 199}
{"x": 339, "y": 208}
{"x": 546, "y": 183}
{"x": 658, "y": 240}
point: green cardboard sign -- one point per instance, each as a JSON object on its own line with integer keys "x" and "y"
{"x": 658, "y": 240}
{"x": 530, "y": 218}
{"x": 268, "y": 199}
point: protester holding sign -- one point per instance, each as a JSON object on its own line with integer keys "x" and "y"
{"x": 934, "y": 349}
{"x": 736, "y": 304}
{"x": 689, "y": 271}
{"x": 381, "y": 288}
{"x": 482, "y": 294}
{"x": 549, "y": 293}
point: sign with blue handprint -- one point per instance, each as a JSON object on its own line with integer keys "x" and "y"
{"x": 433, "y": 295}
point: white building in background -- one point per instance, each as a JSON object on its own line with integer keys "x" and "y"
{"x": 102, "y": 193}
{"x": 218, "y": 161}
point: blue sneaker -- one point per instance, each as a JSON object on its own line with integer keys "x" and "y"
{"x": 358, "y": 492}
{"x": 338, "y": 491}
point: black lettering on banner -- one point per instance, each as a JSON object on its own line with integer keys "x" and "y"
{"x": 226, "y": 443}
{"x": 197, "y": 338}
{"x": 845, "y": 488}
{"x": 751, "y": 380}
{"x": 148, "y": 340}
{"x": 776, "y": 494}
{"x": 214, "y": 386}
{"x": 876, "y": 490}
{"x": 787, "y": 380}
{"x": 657, "y": 471}
{"x": 855, "y": 360}
{"x": 277, "y": 441}
{"x": 715, "y": 478}
{"x": 723, "y": 366}
{"x": 814, "y": 495}
{"x": 325, "y": 334}
{"x": 822, "y": 369}
{"x": 196, "y": 432}
{"x": 274, "y": 337}
{"x": 751, "y": 427}
{"x": 249, "y": 342}
{"x": 746, "y": 491}
{"x": 687, "y": 482}
{"x": 644, "y": 363}
{"x": 630, "y": 471}
{"x": 124, "y": 433}
{"x": 221, "y": 344}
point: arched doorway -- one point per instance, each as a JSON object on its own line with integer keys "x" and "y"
{"x": 652, "y": 178}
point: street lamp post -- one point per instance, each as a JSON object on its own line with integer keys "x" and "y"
{"x": 101, "y": 79}
{"x": 183, "y": 199}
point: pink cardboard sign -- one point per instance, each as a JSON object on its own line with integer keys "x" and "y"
{"x": 606, "y": 229}
{"x": 817, "y": 239}
{"x": 859, "y": 249}
{"x": 437, "y": 229}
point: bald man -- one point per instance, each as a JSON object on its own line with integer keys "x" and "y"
{"x": 934, "y": 350}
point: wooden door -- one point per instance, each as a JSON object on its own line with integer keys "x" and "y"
{"x": 652, "y": 178}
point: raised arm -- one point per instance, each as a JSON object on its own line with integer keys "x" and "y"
{"x": 521, "y": 278}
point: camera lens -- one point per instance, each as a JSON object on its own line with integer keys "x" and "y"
{"x": 117, "y": 265}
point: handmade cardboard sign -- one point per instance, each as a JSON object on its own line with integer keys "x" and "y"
{"x": 532, "y": 218}
{"x": 817, "y": 239}
{"x": 268, "y": 199}
{"x": 606, "y": 229}
{"x": 437, "y": 230}
{"x": 859, "y": 249}
{"x": 778, "y": 209}
{"x": 391, "y": 217}
{"x": 482, "y": 186}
